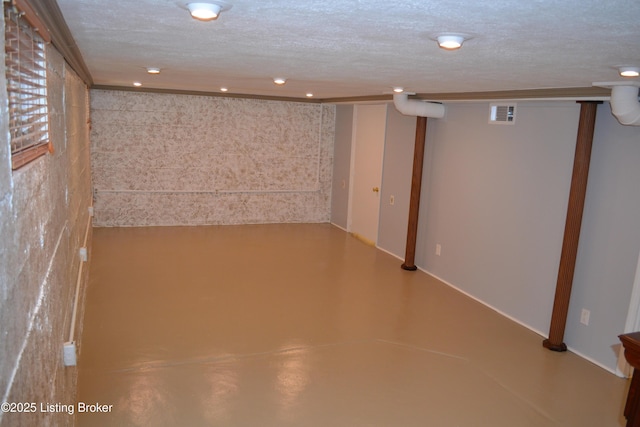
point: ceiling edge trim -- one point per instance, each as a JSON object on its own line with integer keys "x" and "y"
{"x": 571, "y": 93}
{"x": 581, "y": 93}
{"x": 49, "y": 13}
{"x": 550, "y": 93}
{"x": 203, "y": 93}
{"x": 358, "y": 99}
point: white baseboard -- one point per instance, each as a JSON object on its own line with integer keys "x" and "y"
{"x": 340, "y": 227}
{"x": 502, "y": 313}
{"x": 390, "y": 253}
{"x": 513, "y": 319}
{"x": 587, "y": 358}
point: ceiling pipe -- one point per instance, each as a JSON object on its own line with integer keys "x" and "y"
{"x": 625, "y": 105}
{"x": 624, "y": 101}
{"x": 413, "y": 107}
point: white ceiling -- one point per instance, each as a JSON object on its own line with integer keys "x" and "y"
{"x": 353, "y": 48}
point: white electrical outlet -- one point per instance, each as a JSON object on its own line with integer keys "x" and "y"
{"x": 392, "y": 200}
{"x": 69, "y": 353}
{"x": 584, "y": 317}
{"x": 438, "y": 249}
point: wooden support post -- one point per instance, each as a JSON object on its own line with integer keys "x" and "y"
{"x": 573, "y": 222}
{"x": 414, "y": 202}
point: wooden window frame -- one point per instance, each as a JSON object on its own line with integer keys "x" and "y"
{"x": 26, "y": 73}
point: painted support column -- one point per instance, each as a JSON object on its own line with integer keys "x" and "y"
{"x": 573, "y": 222}
{"x": 414, "y": 202}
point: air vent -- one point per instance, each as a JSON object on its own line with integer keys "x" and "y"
{"x": 503, "y": 114}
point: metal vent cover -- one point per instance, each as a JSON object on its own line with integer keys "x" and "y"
{"x": 502, "y": 114}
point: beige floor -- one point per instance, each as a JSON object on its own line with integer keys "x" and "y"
{"x": 303, "y": 325}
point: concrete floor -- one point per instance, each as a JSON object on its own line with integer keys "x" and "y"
{"x": 303, "y": 325}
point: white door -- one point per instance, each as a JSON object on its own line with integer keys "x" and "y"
{"x": 366, "y": 170}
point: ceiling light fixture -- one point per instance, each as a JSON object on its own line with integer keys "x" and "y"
{"x": 398, "y": 89}
{"x": 279, "y": 80}
{"x": 137, "y": 84}
{"x": 153, "y": 70}
{"x": 450, "y": 41}
{"x": 309, "y": 95}
{"x": 207, "y": 11}
{"x": 629, "y": 71}
{"x": 223, "y": 89}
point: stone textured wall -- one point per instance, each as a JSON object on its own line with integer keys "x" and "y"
{"x": 165, "y": 159}
{"x": 43, "y": 220}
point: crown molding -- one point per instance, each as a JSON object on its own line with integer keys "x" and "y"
{"x": 203, "y": 93}
{"x": 50, "y": 15}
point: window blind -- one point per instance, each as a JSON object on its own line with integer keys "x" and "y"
{"x": 26, "y": 72}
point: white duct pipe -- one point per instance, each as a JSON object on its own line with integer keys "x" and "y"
{"x": 413, "y": 107}
{"x": 625, "y": 105}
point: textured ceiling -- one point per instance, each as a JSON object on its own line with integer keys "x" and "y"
{"x": 353, "y": 48}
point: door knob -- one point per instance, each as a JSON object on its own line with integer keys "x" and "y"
{"x": 376, "y": 189}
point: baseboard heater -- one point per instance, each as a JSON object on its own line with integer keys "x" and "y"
{"x": 69, "y": 352}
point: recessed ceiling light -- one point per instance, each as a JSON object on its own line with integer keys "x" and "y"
{"x": 223, "y": 89}
{"x": 153, "y": 70}
{"x": 279, "y": 80}
{"x": 450, "y": 41}
{"x": 309, "y": 95}
{"x": 137, "y": 84}
{"x": 398, "y": 89}
{"x": 207, "y": 11}
{"x": 629, "y": 71}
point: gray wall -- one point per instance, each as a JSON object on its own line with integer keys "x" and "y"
{"x": 43, "y": 218}
{"x": 341, "y": 166}
{"x": 610, "y": 241}
{"x": 496, "y": 200}
{"x": 396, "y": 182}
